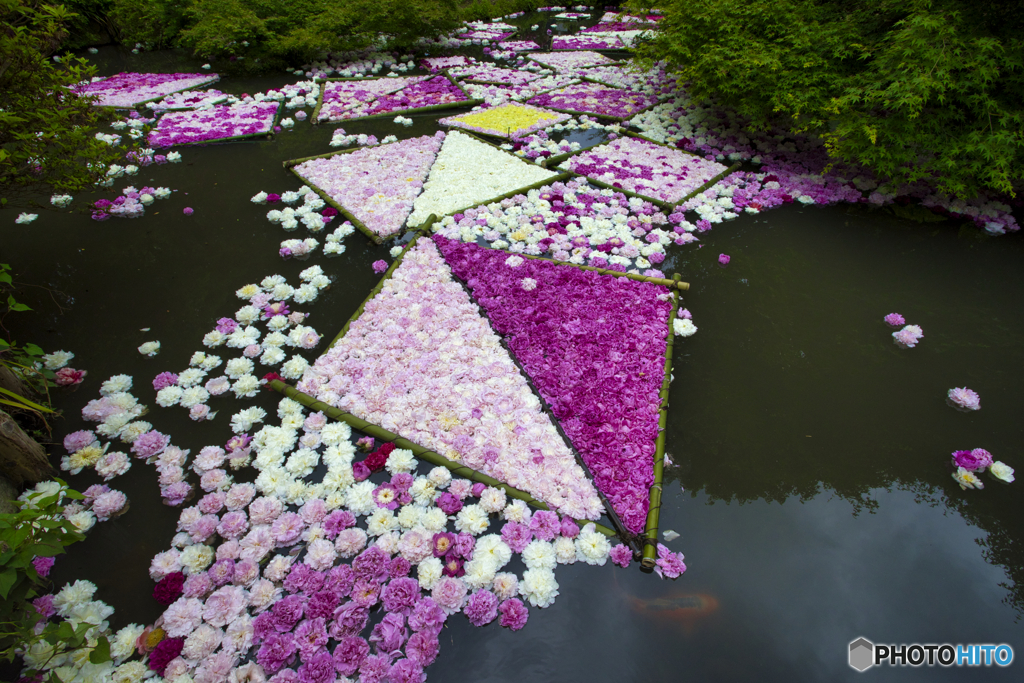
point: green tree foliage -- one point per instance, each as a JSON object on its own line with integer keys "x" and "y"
{"x": 928, "y": 90}
{"x": 46, "y": 132}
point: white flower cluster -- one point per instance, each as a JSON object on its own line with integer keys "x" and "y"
{"x": 468, "y": 172}
{"x": 403, "y": 121}
{"x": 306, "y": 214}
{"x": 334, "y": 244}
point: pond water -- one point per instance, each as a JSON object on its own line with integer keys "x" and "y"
{"x": 811, "y": 487}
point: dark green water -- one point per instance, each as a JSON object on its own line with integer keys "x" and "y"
{"x": 818, "y": 503}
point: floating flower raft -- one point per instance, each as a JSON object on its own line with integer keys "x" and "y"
{"x": 421, "y": 361}
{"x": 127, "y": 90}
{"x": 586, "y": 42}
{"x": 216, "y": 124}
{"x": 339, "y": 96}
{"x": 594, "y": 346}
{"x": 374, "y": 187}
{"x": 510, "y": 121}
{"x": 566, "y": 61}
{"x": 596, "y": 100}
{"x": 493, "y": 74}
{"x": 469, "y": 172}
{"x": 645, "y": 168}
{"x": 437, "y": 92}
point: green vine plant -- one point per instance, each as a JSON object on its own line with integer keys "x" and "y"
{"x": 22, "y": 361}
{"x": 38, "y": 529}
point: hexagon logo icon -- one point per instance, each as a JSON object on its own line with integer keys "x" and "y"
{"x": 862, "y": 654}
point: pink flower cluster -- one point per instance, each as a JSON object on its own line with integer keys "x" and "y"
{"x": 126, "y": 90}
{"x": 401, "y": 361}
{"x": 597, "y": 99}
{"x": 644, "y": 168}
{"x": 566, "y": 61}
{"x": 585, "y": 42}
{"x": 434, "y": 64}
{"x": 519, "y": 45}
{"x": 492, "y": 74}
{"x": 431, "y": 92}
{"x": 376, "y": 184}
{"x": 216, "y": 123}
{"x": 340, "y": 96}
{"x": 594, "y": 346}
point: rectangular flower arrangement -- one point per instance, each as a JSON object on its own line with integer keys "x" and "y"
{"x": 510, "y": 121}
{"x": 596, "y": 100}
{"x": 436, "y": 92}
{"x": 338, "y": 96}
{"x": 188, "y": 99}
{"x": 493, "y": 36}
{"x": 373, "y": 187}
{"x": 646, "y": 169}
{"x": 567, "y": 61}
{"x": 484, "y": 73}
{"x": 216, "y": 124}
{"x": 127, "y": 90}
{"x": 586, "y": 42}
{"x": 435, "y": 64}
{"x": 519, "y": 45}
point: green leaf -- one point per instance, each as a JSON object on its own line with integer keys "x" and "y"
{"x": 20, "y": 307}
{"x": 100, "y": 653}
{"x": 32, "y": 350}
{"x": 7, "y": 580}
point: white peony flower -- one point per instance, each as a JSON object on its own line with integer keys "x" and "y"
{"x": 150, "y": 348}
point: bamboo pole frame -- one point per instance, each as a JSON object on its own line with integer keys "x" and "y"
{"x": 420, "y": 452}
{"x": 650, "y": 537}
{"x": 624, "y": 534}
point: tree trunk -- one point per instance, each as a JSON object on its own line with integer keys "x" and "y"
{"x": 22, "y": 459}
{"x": 8, "y": 493}
{"x": 11, "y": 382}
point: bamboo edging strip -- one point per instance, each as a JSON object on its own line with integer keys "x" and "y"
{"x": 419, "y": 451}
{"x": 625, "y": 536}
{"x": 650, "y": 543}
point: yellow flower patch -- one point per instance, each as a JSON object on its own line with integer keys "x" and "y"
{"x": 506, "y": 120}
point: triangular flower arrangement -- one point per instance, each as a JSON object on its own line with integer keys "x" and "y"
{"x": 596, "y": 100}
{"x": 127, "y": 90}
{"x": 216, "y": 124}
{"x": 373, "y": 187}
{"x": 339, "y": 96}
{"x": 422, "y": 362}
{"x": 646, "y": 169}
{"x": 436, "y": 92}
{"x": 568, "y": 61}
{"x": 469, "y": 172}
{"x": 593, "y": 346}
{"x": 510, "y": 121}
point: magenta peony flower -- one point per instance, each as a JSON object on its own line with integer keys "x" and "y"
{"x": 164, "y": 380}
{"x": 389, "y": 634}
{"x": 894, "y": 320}
{"x": 545, "y": 525}
{"x": 187, "y": 211}
{"x": 569, "y": 528}
{"x": 970, "y": 462}
{"x": 669, "y": 564}
{"x": 449, "y": 504}
{"x": 427, "y": 616}
{"x": 517, "y": 536}
{"x": 621, "y": 555}
{"x": 66, "y": 377}
{"x": 350, "y": 654}
{"x": 422, "y": 648}
{"x": 44, "y": 606}
{"x": 513, "y": 614}
{"x": 406, "y": 671}
{"x": 166, "y": 650}
{"x": 724, "y": 259}
{"x": 482, "y": 608}
{"x": 43, "y": 565}
{"x": 379, "y": 266}
{"x": 984, "y": 458}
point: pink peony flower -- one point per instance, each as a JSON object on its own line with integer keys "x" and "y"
{"x": 513, "y": 614}
{"x": 187, "y": 211}
{"x": 482, "y": 608}
{"x": 724, "y": 259}
{"x": 621, "y": 555}
{"x": 450, "y": 594}
{"x": 965, "y": 398}
{"x": 66, "y": 377}
{"x": 379, "y": 266}
{"x": 894, "y": 320}
{"x": 76, "y": 441}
